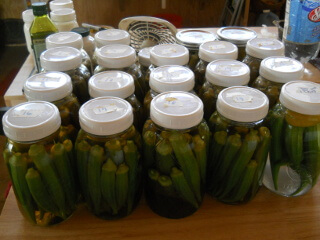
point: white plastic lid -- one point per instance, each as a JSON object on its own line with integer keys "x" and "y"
{"x": 105, "y": 116}
{"x": 27, "y": 16}
{"x": 171, "y": 78}
{"x": 111, "y": 83}
{"x": 242, "y": 104}
{"x": 264, "y": 47}
{"x": 60, "y": 59}
{"x": 227, "y": 73}
{"x": 169, "y": 54}
{"x": 116, "y": 56}
{"x": 193, "y": 38}
{"x": 63, "y": 15}
{"x": 214, "y": 50}
{"x": 281, "y": 69}
{"x": 237, "y": 35}
{"x": 70, "y": 39}
{"x": 144, "y": 57}
{"x": 176, "y": 110}
{"x": 111, "y": 36}
{"x": 301, "y": 97}
{"x": 59, "y": 4}
{"x": 49, "y": 86}
{"x": 31, "y": 121}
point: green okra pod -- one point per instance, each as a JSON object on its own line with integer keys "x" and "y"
{"x": 68, "y": 146}
{"x": 182, "y": 187}
{"x": 200, "y": 151}
{"x": 114, "y": 151}
{"x": 294, "y": 144}
{"x": 205, "y": 134}
{"x": 122, "y": 185}
{"x": 149, "y": 140}
{"x": 153, "y": 174}
{"x": 164, "y": 157}
{"x": 83, "y": 150}
{"x": 305, "y": 179}
{"x": 108, "y": 184}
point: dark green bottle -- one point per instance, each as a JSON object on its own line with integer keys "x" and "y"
{"x": 39, "y": 30}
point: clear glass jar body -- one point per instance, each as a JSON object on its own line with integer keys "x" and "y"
{"x": 109, "y": 172}
{"x": 86, "y": 60}
{"x": 270, "y": 88}
{"x": 135, "y": 72}
{"x": 293, "y": 165}
{"x": 88, "y": 45}
{"x": 66, "y": 26}
{"x": 254, "y": 65}
{"x": 199, "y": 74}
{"x": 237, "y": 158}
{"x": 43, "y": 179}
{"x": 241, "y": 52}
{"x": 175, "y": 163}
{"x": 193, "y": 58}
{"x": 138, "y": 112}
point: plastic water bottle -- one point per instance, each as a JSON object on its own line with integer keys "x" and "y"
{"x": 302, "y": 29}
{"x": 266, "y": 18}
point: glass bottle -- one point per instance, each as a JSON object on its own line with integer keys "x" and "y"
{"x": 176, "y": 143}
{"x": 88, "y": 41}
{"x": 293, "y": 166}
{"x": 108, "y": 151}
{"x": 41, "y": 27}
{"x": 240, "y": 145}
{"x": 64, "y": 19}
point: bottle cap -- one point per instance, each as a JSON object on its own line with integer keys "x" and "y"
{"x": 242, "y": 104}
{"x": 301, "y": 97}
{"x": 60, "y": 59}
{"x": 227, "y": 73}
{"x": 171, "y": 78}
{"x": 49, "y": 86}
{"x": 31, "y": 121}
{"x": 69, "y": 39}
{"x": 281, "y": 69}
{"x": 39, "y": 8}
{"x": 144, "y": 57}
{"x": 59, "y": 4}
{"x": 111, "y": 36}
{"x": 27, "y": 16}
{"x": 214, "y": 50}
{"x": 116, "y": 56}
{"x": 105, "y": 116}
{"x": 193, "y": 38}
{"x": 236, "y": 35}
{"x": 63, "y": 15}
{"x": 169, "y": 54}
{"x": 111, "y": 83}
{"x": 83, "y": 31}
{"x": 176, "y": 110}
{"x": 264, "y": 47}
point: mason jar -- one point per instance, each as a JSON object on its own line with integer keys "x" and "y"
{"x": 274, "y": 72}
{"x": 121, "y": 58}
{"x": 168, "y": 78}
{"x": 64, "y": 19}
{"x": 108, "y": 157}
{"x": 240, "y": 145}
{"x": 88, "y": 41}
{"x": 192, "y": 39}
{"x": 294, "y": 164}
{"x": 39, "y": 164}
{"x": 69, "y": 39}
{"x": 221, "y": 74}
{"x": 258, "y": 49}
{"x": 69, "y": 61}
{"x": 208, "y": 52}
{"x": 176, "y": 140}
{"x": 118, "y": 84}
{"x": 238, "y": 36}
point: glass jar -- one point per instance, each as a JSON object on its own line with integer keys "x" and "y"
{"x": 274, "y": 72}
{"x": 27, "y": 17}
{"x": 166, "y": 54}
{"x": 64, "y": 19}
{"x": 238, "y": 36}
{"x": 88, "y": 41}
{"x": 117, "y": 84}
{"x": 168, "y": 78}
{"x": 258, "y": 49}
{"x": 122, "y": 58}
{"x": 208, "y": 52}
{"x": 293, "y": 167}
{"x": 240, "y": 145}
{"x": 108, "y": 157}
{"x": 39, "y": 164}
{"x": 221, "y": 74}
{"x": 68, "y": 60}
{"x": 69, "y": 39}
{"x": 192, "y": 39}
{"x": 176, "y": 140}
{"x": 58, "y": 4}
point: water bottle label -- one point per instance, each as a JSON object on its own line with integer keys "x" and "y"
{"x": 302, "y": 22}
